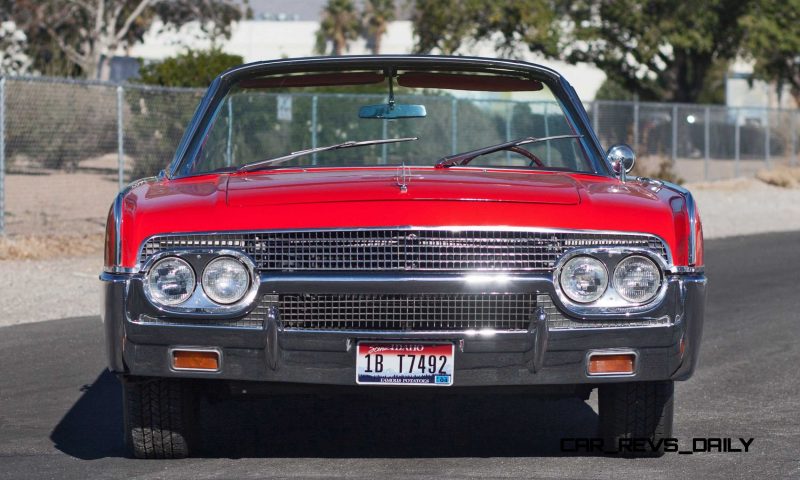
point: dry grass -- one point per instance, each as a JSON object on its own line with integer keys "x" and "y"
{"x": 784, "y": 177}
{"x": 658, "y": 167}
{"x": 39, "y": 247}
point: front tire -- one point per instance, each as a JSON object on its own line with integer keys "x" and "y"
{"x": 636, "y": 417}
{"x": 157, "y": 415}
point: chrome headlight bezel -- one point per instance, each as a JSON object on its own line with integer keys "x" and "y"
{"x": 610, "y": 303}
{"x": 199, "y": 303}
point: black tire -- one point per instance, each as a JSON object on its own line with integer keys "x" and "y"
{"x": 636, "y": 416}
{"x": 157, "y": 415}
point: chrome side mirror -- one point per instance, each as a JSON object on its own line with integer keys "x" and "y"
{"x": 621, "y": 158}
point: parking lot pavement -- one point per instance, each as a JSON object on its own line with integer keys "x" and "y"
{"x": 60, "y": 411}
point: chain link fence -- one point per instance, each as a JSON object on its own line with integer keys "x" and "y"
{"x": 67, "y": 147}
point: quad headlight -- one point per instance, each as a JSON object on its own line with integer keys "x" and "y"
{"x": 584, "y": 279}
{"x": 226, "y": 280}
{"x": 170, "y": 281}
{"x": 637, "y": 279}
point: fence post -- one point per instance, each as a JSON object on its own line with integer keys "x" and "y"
{"x": 674, "y": 135}
{"x": 636, "y": 124}
{"x": 766, "y": 139}
{"x": 314, "y": 101}
{"x": 454, "y": 122}
{"x": 737, "y": 142}
{"x": 596, "y": 118}
{"x": 706, "y": 141}
{"x": 120, "y": 138}
{"x": 2, "y": 155}
{"x": 795, "y": 153}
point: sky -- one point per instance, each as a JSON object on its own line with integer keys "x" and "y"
{"x": 307, "y": 9}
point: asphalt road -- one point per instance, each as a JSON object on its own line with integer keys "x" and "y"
{"x": 60, "y": 412}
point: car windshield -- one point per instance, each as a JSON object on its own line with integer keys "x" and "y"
{"x": 287, "y": 120}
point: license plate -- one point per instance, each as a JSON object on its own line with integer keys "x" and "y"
{"x": 404, "y": 364}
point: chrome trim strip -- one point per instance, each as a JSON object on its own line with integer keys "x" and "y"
{"x": 117, "y": 213}
{"x": 125, "y": 270}
{"x": 688, "y": 270}
{"x": 190, "y": 323}
{"x": 691, "y": 210}
{"x": 612, "y": 327}
{"x": 455, "y": 228}
{"x": 216, "y": 350}
{"x": 118, "y": 229}
{"x": 401, "y": 334}
{"x": 608, "y": 352}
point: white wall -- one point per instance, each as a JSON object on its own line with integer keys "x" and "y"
{"x": 263, "y": 40}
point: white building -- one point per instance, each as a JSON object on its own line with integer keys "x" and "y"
{"x": 263, "y": 40}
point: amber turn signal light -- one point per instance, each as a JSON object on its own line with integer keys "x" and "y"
{"x": 195, "y": 360}
{"x": 612, "y": 364}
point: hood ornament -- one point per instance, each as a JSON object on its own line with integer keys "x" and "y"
{"x": 403, "y": 177}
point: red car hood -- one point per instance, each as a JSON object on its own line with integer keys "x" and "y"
{"x": 376, "y": 185}
{"x": 371, "y": 197}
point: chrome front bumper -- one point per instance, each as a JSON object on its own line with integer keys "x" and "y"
{"x": 542, "y": 355}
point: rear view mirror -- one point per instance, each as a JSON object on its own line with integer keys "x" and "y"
{"x": 392, "y": 111}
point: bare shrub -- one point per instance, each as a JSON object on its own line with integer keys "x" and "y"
{"x": 784, "y": 177}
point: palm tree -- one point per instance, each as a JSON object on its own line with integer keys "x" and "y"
{"x": 339, "y": 25}
{"x": 376, "y": 18}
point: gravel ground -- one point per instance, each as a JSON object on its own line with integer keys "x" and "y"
{"x": 729, "y": 208}
{"x": 36, "y": 290}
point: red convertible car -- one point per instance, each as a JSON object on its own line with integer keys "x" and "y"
{"x": 393, "y": 223}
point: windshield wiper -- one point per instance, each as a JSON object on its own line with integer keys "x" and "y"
{"x": 285, "y": 158}
{"x": 466, "y": 157}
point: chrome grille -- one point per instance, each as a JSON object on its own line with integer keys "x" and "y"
{"x": 254, "y": 321}
{"x": 557, "y": 320}
{"x": 404, "y": 250}
{"x": 407, "y": 312}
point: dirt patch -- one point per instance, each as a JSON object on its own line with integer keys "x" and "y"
{"x": 783, "y": 177}
{"x": 42, "y": 202}
{"x": 40, "y": 247}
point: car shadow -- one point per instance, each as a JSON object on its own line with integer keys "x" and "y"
{"x": 345, "y": 426}
{"x": 92, "y": 427}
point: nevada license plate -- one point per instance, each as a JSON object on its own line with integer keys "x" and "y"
{"x": 404, "y": 364}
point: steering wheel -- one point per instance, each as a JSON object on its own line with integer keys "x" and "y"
{"x": 525, "y": 153}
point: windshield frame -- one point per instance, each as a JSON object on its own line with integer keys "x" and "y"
{"x": 192, "y": 140}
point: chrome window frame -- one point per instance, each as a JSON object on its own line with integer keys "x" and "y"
{"x": 203, "y": 117}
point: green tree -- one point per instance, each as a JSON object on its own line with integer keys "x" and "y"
{"x": 773, "y": 42}
{"x": 339, "y": 26}
{"x": 82, "y": 35}
{"x": 658, "y": 49}
{"x": 446, "y": 25}
{"x": 376, "y": 18}
{"x": 193, "y": 68}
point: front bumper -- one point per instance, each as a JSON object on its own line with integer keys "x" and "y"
{"x": 543, "y": 355}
